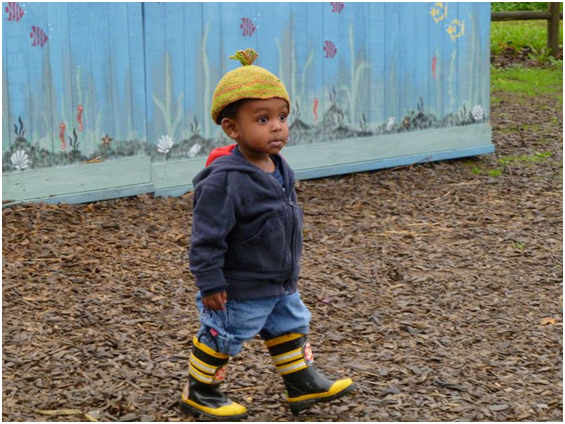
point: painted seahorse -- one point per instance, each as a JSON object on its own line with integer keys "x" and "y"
{"x": 316, "y": 109}
{"x": 62, "y": 129}
{"x": 79, "y": 118}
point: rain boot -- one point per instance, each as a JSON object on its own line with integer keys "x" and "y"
{"x": 202, "y": 395}
{"x": 292, "y": 356}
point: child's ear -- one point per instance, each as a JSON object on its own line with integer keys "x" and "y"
{"x": 230, "y": 128}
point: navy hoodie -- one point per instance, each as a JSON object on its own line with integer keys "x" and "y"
{"x": 247, "y": 229}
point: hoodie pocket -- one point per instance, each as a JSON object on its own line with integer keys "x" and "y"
{"x": 268, "y": 250}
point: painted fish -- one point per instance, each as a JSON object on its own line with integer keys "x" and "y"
{"x": 247, "y": 27}
{"x": 39, "y": 37}
{"x": 316, "y": 101}
{"x": 62, "y": 129}
{"x": 439, "y": 12}
{"x": 337, "y": 6}
{"x": 330, "y": 49}
{"x": 456, "y": 29}
{"x": 14, "y": 11}
{"x": 79, "y": 118}
{"x": 434, "y": 63}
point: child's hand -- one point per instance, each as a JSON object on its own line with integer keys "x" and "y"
{"x": 216, "y": 301}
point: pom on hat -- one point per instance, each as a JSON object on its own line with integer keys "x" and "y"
{"x": 246, "y": 57}
{"x": 247, "y": 82}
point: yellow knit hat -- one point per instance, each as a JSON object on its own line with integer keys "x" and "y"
{"x": 247, "y": 82}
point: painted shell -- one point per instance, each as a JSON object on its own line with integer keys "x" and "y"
{"x": 478, "y": 113}
{"x": 390, "y": 124}
{"x": 194, "y": 150}
{"x": 165, "y": 144}
{"x": 20, "y": 160}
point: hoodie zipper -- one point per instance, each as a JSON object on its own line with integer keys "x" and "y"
{"x": 292, "y": 206}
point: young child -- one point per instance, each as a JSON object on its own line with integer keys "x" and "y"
{"x": 245, "y": 250}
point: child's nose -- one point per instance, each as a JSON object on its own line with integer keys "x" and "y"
{"x": 277, "y": 125}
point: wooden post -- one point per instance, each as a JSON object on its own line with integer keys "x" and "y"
{"x": 553, "y": 28}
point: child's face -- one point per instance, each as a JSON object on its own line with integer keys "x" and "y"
{"x": 261, "y": 126}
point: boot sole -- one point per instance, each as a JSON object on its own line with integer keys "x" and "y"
{"x": 187, "y": 409}
{"x": 297, "y": 407}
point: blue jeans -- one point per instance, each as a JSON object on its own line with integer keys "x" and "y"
{"x": 226, "y": 331}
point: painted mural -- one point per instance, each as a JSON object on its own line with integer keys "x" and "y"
{"x": 93, "y": 82}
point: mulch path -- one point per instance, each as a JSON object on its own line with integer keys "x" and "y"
{"x": 437, "y": 287}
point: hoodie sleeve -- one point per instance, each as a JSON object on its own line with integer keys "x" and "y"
{"x": 213, "y": 219}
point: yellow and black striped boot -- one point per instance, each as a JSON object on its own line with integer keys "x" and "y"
{"x": 292, "y": 355}
{"x": 202, "y": 395}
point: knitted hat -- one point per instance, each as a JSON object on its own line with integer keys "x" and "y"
{"x": 247, "y": 82}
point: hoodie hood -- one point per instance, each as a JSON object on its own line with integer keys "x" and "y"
{"x": 219, "y": 152}
{"x": 223, "y": 160}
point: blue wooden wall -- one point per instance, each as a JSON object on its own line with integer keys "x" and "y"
{"x": 125, "y": 88}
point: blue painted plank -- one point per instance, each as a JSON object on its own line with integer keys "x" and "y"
{"x": 175, "y": 88}
{"x": 361, "y": 155}
{"x": 62, "y": 69}
{"x": 215, "y": 61}
{"x": 166, "y": 175}
{"x": 90, "y": 196}
{"x": 16, "y": 46}
{"x": 100, "y": 72}
{"x": 436, "y": 76}
{"x": 450, "y": 63}
{"x": 81, "y": 62}
{"x": 361, "y": 66}
{"x": 274, "y": 40}
{"x": 120, "y": 85}
{"x": 6, "y": 128}
{"x": 45, "y": 119}
{"x": 374, "y": 165}
{"x": 414, "y": 63}
{"x": 312, "y": 95}
{"x": 38, "y": 123}
{"x": 298, "y": 56}
{"x": 57, "y": 181}
{"x": 154, "y": 24}
{"x": 483, "y": 58}
{"x": 337, "y": 65}
{"x": 137, "y": 70}
{"x": 464, "y": 60}
{"x": 392, "y": 61}
{"x": 58, "y": 42}
{"x": 193, "y": 71}
{"x": 394, "y": 162}
{"x": 376, "y": 49}
{"x": 351, "y": 151}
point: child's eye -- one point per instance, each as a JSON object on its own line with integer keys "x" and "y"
{"x": 283, "y": 117}
{"x": 263, "y": 120}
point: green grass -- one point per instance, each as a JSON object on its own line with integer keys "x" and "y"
{"x": 521, "y": 127}
{"x": 529, "y": 81}
{"x": 518, "y": 245}
{"x": 514, "y": 160}
{"x": 509, "y": 6}
{"x": 490, "y": 172}
{"x": 521, "y": 34}
{"x": 509, "y": 161}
